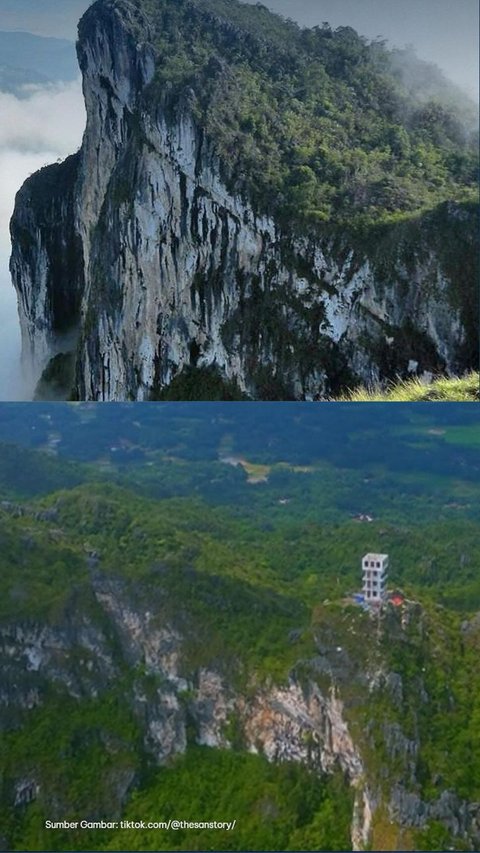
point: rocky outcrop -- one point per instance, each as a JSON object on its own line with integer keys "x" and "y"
{"x": 47, "y": 264}
{"x": 26, "y": 791}
{"x": 137, "y": 256}
{"x": 295, "y": 724}
{"x": 462, "y": 819}
{"x": 118, "y": 634}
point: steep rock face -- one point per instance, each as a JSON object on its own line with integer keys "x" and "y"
{"x": 285, "y": 724}
{"x": 47, "y": 264}
{"x": 117, "y": 631}
{"x": 155, "y": 265}
{"x": 301, "y": 724}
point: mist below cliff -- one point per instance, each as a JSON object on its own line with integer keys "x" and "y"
{"x": 15, "y": 384}
{"x": 150, "y": 253}
{"x": 27, "y": 142}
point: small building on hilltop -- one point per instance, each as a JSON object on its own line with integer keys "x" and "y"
{"x": 375, "y": 574}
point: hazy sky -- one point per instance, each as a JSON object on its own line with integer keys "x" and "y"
{"x": 442, "y": 31}
{"x": 42, "y": 17}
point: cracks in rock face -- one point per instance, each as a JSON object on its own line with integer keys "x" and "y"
{"x": 172, "y": 701}
{"x": 157, "y": 232}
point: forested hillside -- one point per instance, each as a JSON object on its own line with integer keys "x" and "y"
{"x": 177, "y": 628}
{"x": 278, "y": 213}
{"x": 314, "y": 125}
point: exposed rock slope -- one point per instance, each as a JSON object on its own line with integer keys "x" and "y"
{"x": 138, "y": 255}
{"x": 114, "y": 635}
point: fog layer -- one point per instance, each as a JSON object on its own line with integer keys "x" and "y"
{"x": 445, "y": 32}
{"x": 34, "y": 131}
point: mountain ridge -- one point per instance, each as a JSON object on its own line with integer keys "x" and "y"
{"x": 28, "y": 59}
{"x": 267, "y": 244}
{"x": 151, "y": 644}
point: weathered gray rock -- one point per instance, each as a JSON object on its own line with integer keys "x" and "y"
{"x": 459, "y": 817}
{"x": 87, "y": 651}
{"x": 134, "y": 255}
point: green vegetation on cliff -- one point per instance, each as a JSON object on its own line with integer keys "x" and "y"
{"x": 466, "y": 389}
{"x": 315, "y": 125}
{"x": 282, "y": 808}
{"x": 239, "y": 530}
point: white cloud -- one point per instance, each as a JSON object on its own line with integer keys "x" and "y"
{"x": 50, "y": 118}
{"x": 36, "y": 130}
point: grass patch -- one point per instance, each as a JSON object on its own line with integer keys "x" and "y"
{"x": 464, "y": 389}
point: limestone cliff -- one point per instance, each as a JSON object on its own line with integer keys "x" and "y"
{"x": 115, "y": 630}
{"x": 139, "y": 256}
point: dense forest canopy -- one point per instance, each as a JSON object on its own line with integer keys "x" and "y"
{"x": 276, "y": 467}
{"x": 314, "y": 125}
{"x": 241, "y": 525}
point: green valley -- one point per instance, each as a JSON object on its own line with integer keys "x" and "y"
{"x": 179, "y": 640}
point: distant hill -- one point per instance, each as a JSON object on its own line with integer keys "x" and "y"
{"x": 179, "y": 627}
{"x": 47, "y": 17}
{"x": 29, "y": 59}
{"x": 14, "y": 80}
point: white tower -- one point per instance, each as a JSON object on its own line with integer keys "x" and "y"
{"x": 375, "y": 567}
